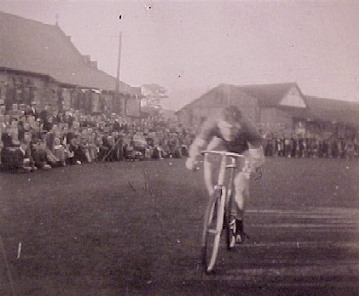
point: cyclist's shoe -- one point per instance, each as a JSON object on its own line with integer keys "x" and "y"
{"x": 232, "y": 229}
{"x": 241, "y": 237}
{"x": 232, "y": 226}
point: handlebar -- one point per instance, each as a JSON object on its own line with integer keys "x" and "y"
{"x": 222, "y": 153}
{"x": 257, "y": 174}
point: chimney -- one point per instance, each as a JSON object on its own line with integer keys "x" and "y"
{"x": 87, "y": 59}
{"x": 93, "y": 64}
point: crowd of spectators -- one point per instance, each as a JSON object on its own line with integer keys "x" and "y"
{"x": 32, "y": 140}
{"x": 298, "y": 146}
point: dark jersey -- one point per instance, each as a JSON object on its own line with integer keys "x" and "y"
{"x": 248, "y": 133}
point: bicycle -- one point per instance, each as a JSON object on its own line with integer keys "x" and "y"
{"x": 216, "y": 216}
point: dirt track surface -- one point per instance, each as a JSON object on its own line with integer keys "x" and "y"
{"x": 134, "y": 229}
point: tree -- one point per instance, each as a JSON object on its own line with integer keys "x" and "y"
{"x": 153, "y": 95}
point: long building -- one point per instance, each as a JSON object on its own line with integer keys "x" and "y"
{"x": 38, "y": 62}
{"x": 276, "y": 108}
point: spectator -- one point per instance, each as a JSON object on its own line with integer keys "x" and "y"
{"x": 12, "y": 157}
{"x": 59, "y": 152}
{"x": 39, "y": 155}
{"x": 77, "y": 155}
{"x": 349, "y": 149}
{"x": 31, "y": 110}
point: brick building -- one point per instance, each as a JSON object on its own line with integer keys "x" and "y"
{"x": 276, "y": 108}
{"x": 38, "y": 62}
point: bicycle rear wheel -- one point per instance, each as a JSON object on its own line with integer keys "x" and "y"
{"x": 213, "y": 223}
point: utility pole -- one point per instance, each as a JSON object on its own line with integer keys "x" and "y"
{"x": 116, "y": 97}
{"x": 118, "y": 64}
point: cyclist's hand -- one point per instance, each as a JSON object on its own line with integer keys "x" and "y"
{"x": 256, "y": 157}
{"x": 257, "y": 174}
{"x": 192, "y": 164}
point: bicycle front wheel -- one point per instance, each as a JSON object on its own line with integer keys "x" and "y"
{"x": 213, "y": 224}
{"x": 230, "y": 225}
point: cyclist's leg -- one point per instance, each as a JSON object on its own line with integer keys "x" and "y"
{"x": 211, "y": 163}
{"x": 241, "y": 195}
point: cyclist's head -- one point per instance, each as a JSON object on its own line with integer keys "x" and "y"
{"x": 231, "y": 114}
{"x": 230, "y": 122}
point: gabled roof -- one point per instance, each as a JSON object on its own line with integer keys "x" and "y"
{"x": 227, "y": 92}
{"x": 333, "y": 110}
{"x": 269, "y": 95}
{"x": 224, "y": 90}
{"x": 35, "y": 47}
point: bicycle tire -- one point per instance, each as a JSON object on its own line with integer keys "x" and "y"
{"x": 213, "y": 224}
{"x": 230, "y": 232}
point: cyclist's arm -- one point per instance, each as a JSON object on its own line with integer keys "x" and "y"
{"x": 193, "y": 152}
{"x": 256, "y": 157}
{"x": 206, "y": 133}
{"x": 254, "y": 137}
{"x": 255, "y": 153}
{"x": 201, "y": 141}
{"x": 196, "y": 147}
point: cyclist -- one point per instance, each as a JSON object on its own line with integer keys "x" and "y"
{"x": 232, "y": 132}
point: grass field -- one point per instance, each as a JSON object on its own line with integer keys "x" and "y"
{"x": 134, "y": 229}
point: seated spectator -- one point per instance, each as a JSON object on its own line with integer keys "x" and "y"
{"x": 129, "y": 151}
{"x": 2, "y": 131}
{"x": 101, "y": 149}
{"x": 39, "y": 155}
{"x": 12, "y": 157}
{"x": 158, "y": 153}
{"x": 184, "y": 150}
{"x": 59, "y": 152}
{"x": 85, "y": 148}
{"x": 174, "y": 146}
{"x": 48, "y": 123}
{"x": 26, "y": 144}
{"x": 77, "y": 153}
{"x": 92, "y": 147}
{"x": 113, "y": 145}
{"x": 140, "y": 144}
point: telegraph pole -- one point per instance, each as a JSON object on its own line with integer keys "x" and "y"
{"x": 116, "y": 96}
{"x": 118, "y": 64}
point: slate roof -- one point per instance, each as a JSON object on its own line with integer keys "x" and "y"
{"x": 226, "y": 91}
{"x": 333, "y": 110}
{"x": 269, "y": 95}
{"x": 35, "y": 47}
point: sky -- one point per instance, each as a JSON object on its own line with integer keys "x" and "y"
{"x": 189, "y": 47}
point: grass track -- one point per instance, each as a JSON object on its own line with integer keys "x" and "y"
{"x": 133, "y": 229}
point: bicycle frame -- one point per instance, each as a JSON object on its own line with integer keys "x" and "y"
{"x": 220, "y": 199}
{"x": 223, "y": 166}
